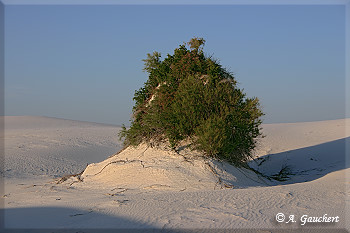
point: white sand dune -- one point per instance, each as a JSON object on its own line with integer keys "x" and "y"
{"x": 150, "y": 168}
{"x": 151, "y": 188}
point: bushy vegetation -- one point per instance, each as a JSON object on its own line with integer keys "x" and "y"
{"x": 190, "y": 96}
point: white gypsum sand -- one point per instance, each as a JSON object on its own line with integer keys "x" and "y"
{"x": 153, "y": 188}
{"x": 55, "y": 147}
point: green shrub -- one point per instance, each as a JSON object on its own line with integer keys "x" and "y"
{"x": 189, "y": 96}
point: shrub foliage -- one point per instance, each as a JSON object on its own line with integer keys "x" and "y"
{"x": 190, "y": 96}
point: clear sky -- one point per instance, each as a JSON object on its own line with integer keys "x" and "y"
{"x": 84, "y": 62}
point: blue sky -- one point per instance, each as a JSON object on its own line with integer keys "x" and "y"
{"x": 84, "y": 62}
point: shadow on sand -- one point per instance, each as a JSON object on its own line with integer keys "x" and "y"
{"x": 305, "y": 164}
{"x": 57, "y": 219}
{"x": 68, "y": 220}
{"x": 54, "y": 220}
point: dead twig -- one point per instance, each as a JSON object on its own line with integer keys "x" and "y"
{"x": 116, "y": 193}
{"x": 119, "y": 161}
{"x": 66, "y": 177}
{"x": 143, "y": 153}
{"x": 186, "y": 159}
{"x": 223, "y": 184}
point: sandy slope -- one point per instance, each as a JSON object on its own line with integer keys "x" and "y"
{"x": 149, "y": 188}
{"x": 159, "y": 169}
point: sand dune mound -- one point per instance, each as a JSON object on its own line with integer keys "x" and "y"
{"x": 144, "y": 167}
{"x": 147, "y": 168}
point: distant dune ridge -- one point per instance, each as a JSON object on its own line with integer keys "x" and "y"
{"x": 55, "y": 147}
{"x": 147, "y": 187}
